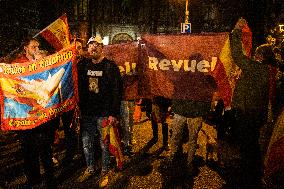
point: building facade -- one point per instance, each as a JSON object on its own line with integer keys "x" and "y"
{"x": 126, "y": 20}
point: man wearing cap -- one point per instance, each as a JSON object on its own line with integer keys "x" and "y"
{"x": 99, "y": 84}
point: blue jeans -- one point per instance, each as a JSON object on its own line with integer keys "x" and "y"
{"x": 126, "y": 111}
{"x": 92, "y": 131}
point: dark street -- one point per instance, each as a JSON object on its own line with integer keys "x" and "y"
{"x": 145, "y": 169}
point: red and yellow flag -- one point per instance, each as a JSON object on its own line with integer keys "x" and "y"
{"x": 57, "y": 34}
{"x": 110, "y": 134}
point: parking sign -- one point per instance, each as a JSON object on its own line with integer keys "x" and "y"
{"x": 185, "y": 27}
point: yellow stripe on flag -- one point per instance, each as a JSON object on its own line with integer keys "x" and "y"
{"x": 13, "y": 87}
{"x": 61, "y": 31}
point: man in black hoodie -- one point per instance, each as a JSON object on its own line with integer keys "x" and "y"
{"x": 99, "y": 84}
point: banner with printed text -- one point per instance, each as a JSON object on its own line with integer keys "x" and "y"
{"x": 125, "y": 56}
{"x": 34, "y": 92}
{"x": 177, "y": 66}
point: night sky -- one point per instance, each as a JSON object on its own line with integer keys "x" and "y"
{"x": 18, "y": 17}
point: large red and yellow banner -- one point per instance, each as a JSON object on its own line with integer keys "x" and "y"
{"x": 174, "y": 66}
{"x": 126, "y": 57}
{"x": 34, "y": 92}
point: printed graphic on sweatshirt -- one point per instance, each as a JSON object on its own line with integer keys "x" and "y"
{"x": 94, "y": 84}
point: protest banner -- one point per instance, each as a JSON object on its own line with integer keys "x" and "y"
{"x": 173, "y": 65}
{"x": 160, "y": 65}
{"x": 125, "y": 56}
{"x": 34, "y": 92}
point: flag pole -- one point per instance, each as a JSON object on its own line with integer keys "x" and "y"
{"x": 186, "y": 12}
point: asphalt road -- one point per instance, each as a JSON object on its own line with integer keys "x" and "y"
{"x": 145, "y": 169}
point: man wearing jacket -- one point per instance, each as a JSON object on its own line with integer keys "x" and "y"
{"x": 99, "y": 85}
{"x": 250, "y": 101}
{"x": 36, "y": 143}
{"x": 190, "y": 112}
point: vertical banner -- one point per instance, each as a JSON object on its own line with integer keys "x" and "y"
{"x": 34, "y": 92}
{"x": 125, "y": 56}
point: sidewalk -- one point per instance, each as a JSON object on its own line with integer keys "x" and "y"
{"x": 142, "y": 170}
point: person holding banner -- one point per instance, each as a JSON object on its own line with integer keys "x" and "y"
{"x": 250, "y": 102}
{"x": 31, "y": 48}
{"x": 68, "y": 118}
{"x": 159, "y": 114}
{"x": 190, "y": 112}
{"x": 36, "y": 143}
{"x": 126, "y": 122}
{"x": 99, "y": 84}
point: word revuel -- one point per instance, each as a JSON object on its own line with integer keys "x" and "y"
{"x": 177, "y": 65}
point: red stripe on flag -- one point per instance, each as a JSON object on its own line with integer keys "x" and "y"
{"x": 52, "y": 39}
{"x": 64, "y": 18}
{"x": 247, "y": 40}
{"x": 222, "y": 80}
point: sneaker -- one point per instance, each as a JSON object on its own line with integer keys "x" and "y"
{"x": 21, "y": 180}
{"x": 55, "y": 161}
{"x": 85, "y": 175}
{"x": 104, "y": 180}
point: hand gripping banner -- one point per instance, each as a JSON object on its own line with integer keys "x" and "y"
{"x": 34, "y": 92}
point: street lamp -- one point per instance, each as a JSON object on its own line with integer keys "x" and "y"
{"x": 186, "y": 26}
{"x": 186, "y": 12}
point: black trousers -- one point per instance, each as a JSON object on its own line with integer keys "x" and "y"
{"x": 161, "y": 105}
{"x": 36, "y": 145}
{"x": 70, "y": 135}
{"x": 248, "y": 129}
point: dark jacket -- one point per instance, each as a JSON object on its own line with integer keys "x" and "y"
{"x": 99, "y": 88}
{"x": 251, "y": 92}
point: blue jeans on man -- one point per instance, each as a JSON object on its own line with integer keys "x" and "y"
{"x": 91, "y": 133}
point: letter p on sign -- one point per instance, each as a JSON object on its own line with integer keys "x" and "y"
{"x": 185, "y": 27}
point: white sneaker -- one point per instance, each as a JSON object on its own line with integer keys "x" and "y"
{"x": 55, "y": 161}
{"x": 85, "y": 175}
{"x": 105, "y": 178}
{"x": 104, "y": 181}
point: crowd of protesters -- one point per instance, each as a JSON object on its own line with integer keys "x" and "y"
{"x": 258, "y": 98}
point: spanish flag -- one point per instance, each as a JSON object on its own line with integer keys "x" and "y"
{"x": 110, "y": 135}
{"x": 57, "y": 34}
{"x": 12, "y": 89}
